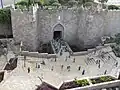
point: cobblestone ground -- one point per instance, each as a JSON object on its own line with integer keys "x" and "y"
{"x": 20, "y": 79}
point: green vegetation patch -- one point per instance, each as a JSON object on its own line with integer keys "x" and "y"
{"x": 112, "y": 7}
{"x": 5, "y": 16}
{"x": 102, "y": 79}
{"x": 74, "y": 84}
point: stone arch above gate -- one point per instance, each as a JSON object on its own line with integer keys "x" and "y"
{"x": 58, "y": 27}
{"x": 58, "y": 31}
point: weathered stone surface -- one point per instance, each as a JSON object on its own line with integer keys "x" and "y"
{"x": 81, "y": 27}
{"x": 24, "y": 29}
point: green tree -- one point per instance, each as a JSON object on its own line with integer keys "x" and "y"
{"x": 71, "y": 3}
{"x": 85, "y": 3}
{"x": 53, "y": 1}
{"x": 103, "y": 1}
{"x": 63, "y": 2}
{"x": 56, "y": 4}
{"x": 112, "y": 7}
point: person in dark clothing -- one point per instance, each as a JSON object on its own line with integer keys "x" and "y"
{"x": 68, "y": 68}
{"x": 43, "y": 62}
{"x": 28, "y": 69}
{"x": 62, "y": 67}
{"x": 116, "y": 64}
{"x": 105, "y": 72}
{"x": 99, "y": 66}
{"x": 55, "y": 59}
{"x": 74, "y": 60}
{"x": 52, "y": 68}
{"x": 79, "y": 68}
{"x": 38, "y": 66}
{"x": 83, "y": 72}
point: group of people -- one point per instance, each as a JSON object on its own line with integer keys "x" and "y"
{"x": 69, "y": 68}
{"x": 60, "y": 46}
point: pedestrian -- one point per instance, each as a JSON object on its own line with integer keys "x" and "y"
{"x": 38, "y": 66}
{"x": 116, "y": 64}
{"x": 52, "y": 68}
{"x": 99, "y": 61}
{"x": 43, "y": 62}
{"x": 24, "y": 57}
{"x": 28, "y": 69}
{"x": 83, "y": 72}
{"x": 96, "y": 61}
{"x": 62, "y": 67}
{"x": 79, "y": 68}
{"x": 61, "y": 53}
{"x": 68, "y": 68}
{"x": 108, "y": 57}
{"x": 99, "y": 66}
{"x": 105, "y": 72}
{"x": 74, "y": 60}
{"x": 55, "y": 59}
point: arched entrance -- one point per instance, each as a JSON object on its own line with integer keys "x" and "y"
{"x": 58, "y": 31}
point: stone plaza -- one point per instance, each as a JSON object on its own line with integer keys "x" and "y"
{"x": 55, "y": 71}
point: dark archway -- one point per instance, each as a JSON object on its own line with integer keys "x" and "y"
{"x": 58, "y": 31}
{"x": 57, "y": 35}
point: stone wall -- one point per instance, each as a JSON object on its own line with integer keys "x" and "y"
{"x": 84, "y": 26}
{"x": 81, "y": 27}
{"x": 91, "y": 27}
{"x": 24, "y": 29}
{"x": 112, "y": 22}
{"x": 48, "y": 19}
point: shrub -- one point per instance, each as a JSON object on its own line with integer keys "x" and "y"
{"x": 83, "y": 82}
{"x": 111, "y": 7}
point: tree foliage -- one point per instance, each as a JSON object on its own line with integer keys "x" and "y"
{"x": 83, "y": 82}
{"x": 5, "y": 16}
{"x": 103, "y": 1}
{"x": 112, "y": 7}
{"x": 58, "y": 3}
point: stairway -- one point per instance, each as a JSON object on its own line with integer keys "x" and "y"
{"x": 59, "y": 46}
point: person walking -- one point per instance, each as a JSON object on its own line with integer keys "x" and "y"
{"x": 28, "y": 69}
{"x": 62, "y": 67}
{"x": 74, "y": 60}
{"x": 79, "y": 68}
{"x": 105, "y": 72}
{"x": 99, "y": 66}
{"x": 83, "y": 72}
{"x": 68, "y": 68}
{"x": 52, "y": 68}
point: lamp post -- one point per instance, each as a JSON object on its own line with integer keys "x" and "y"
{"x": 1, "y": 3}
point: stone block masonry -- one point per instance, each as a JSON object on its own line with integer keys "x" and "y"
{"x": 80, "y": 27}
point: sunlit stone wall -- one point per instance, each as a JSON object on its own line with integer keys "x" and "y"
{"x": 81, "y": 27}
